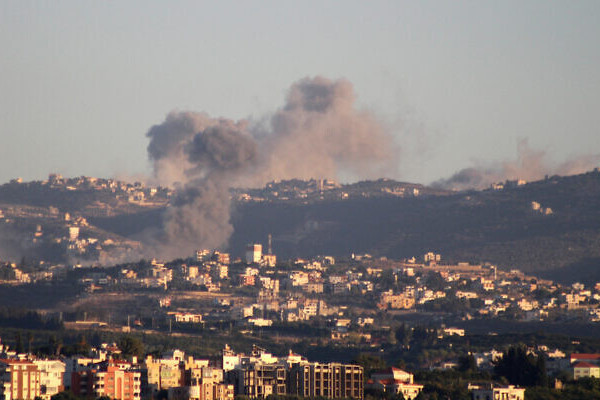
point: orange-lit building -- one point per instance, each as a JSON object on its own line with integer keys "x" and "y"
{"x": 19, "y": 380}
{"x": 111, "y": 380}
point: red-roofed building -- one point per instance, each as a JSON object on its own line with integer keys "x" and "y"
{"x": 585, "y": 370}
{"x": 593, "y": 358}
{"x": 393, "y": 373}
{"x": 395, "y": 380}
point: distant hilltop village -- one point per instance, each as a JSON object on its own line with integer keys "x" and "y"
{"x": 53, "y": 216}
{"x": 136, "y": 193}
{"x": 117, "y": 197}
{"x": 307, "y": 191}
{"x": 91, "y": 220}
{"x": 287, "y": 190}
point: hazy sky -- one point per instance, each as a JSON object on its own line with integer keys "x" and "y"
{"x": 81, "y": 82}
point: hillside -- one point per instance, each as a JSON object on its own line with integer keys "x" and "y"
{"x": 548, "y": 227}
{"x": 499, "y": 226}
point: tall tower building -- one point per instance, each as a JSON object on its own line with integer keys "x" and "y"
{"x": 253, "y": 253}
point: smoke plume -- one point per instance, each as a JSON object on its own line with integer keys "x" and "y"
{"x": 530, "y": 165}
{"x": 201, "y": 157}
{"x": 318, "y": 133}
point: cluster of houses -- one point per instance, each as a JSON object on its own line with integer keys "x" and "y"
{"x": 176, "y": 376}
{"x": 75, "y": 236}
{"x": 287, "y": 190}
{"x": 135, "y": 192}
{"x": 306, "y": 287}
{"x": 497, "y": 292}
{"x": 305, "y": 290}
{"x": 312, "y": 190}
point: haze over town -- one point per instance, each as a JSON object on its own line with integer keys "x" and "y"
{"x": 501, "y": 88}
{"x": 296, "y": 200}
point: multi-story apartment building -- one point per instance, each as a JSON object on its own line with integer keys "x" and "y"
{"x": 253, "y": 253}
{"x": 19, "y": 380}
{"x": 396, "y": 301}
{"x": 207, "y": 384}
{"x": 258, "y": 379}
{"x": 163, "y": 373}
{"x": 51, "y": 377}
{"x": 185, "y": 378}
{"x": 261, "y": 374}
{"x": 114, "y": 381}
{"x": 330, "y": 380}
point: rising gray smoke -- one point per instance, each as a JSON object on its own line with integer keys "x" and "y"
{"x": 320, "y": 134}
{"x": 202, "y": 156}
{"x": 530, "y": 165}
{"x": 317, "y": 134}
{"x": 11, "y": 244}
{"x": 189, "y": 145}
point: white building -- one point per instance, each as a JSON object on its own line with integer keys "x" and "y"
{"x": 253, "y": 253}
{"x": 73, "y": 233}
{"x": 394, "y": 380}
{"x": 509, "y": 392}
{"x": 51, "y": 377}
{"x": 188, "y": 317}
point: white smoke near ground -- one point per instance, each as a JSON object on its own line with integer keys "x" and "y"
{"x": 318, "y": 133}
{"x": 530, "y": 165}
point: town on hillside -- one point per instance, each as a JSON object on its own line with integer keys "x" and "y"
{"x": 364, "y": 322}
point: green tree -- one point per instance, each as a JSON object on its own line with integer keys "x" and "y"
{"x": 82, "y": 347}
{"x": 522, "y": 368}
{"x": 392, "y": 338}
{"x": 29, "y": 341}
{"x": 54, "y": 345}
{"x": 541, "y": 372}
{"x": 403, "y": 335}
{"x": 131, "y": 346}
{"x": 467, "y": 363}
{"x": 370, "y": 363}
{"x": 19, "y": 343}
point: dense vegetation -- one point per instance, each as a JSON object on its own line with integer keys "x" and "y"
{"x": 495, "y": 226}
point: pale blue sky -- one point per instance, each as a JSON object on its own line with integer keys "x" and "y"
{"x": 82, "y": 81}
